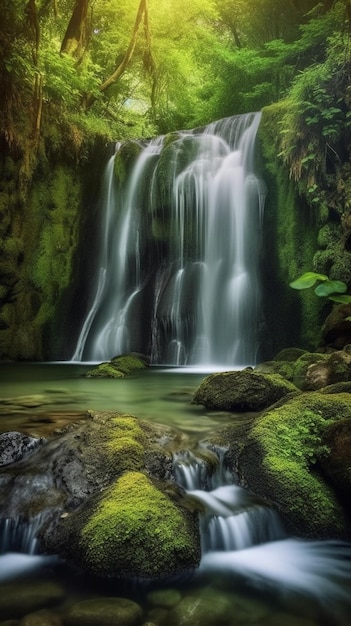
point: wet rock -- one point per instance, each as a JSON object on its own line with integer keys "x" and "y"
{"x": 17, "y": 599}
{"x": 166, "y": 598}
{"x": 119, "y": 366}
{"x": 138, "y": 528}
{"x": 41, "y": 618}
{"x": 212, "y": 609}
{"x": 104, "y": 612}
{"x": 336, "y": 463}
{"x": 14, "y": 446}
{"x": 336, "y": 331}
{"x": 278, "y": 619}
{"x": 242, "y": 391}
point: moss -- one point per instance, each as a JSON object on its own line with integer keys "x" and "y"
{"x": 290, "y": 227}
{"x": 137, "y": 529}
{"x": 128, "y": 363}
{"x": 104, "y": 370}
{"x": 118, "y": 367}
{"x": 289, "y": 438}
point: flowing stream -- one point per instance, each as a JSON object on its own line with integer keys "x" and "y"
{"x": 177, "y": 273}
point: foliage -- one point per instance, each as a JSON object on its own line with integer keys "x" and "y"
{"x": 332, "y": 289}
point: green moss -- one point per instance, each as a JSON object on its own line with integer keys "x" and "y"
{"x": 290, "y": 438}
{"x": 128, "y": 363}
{"x": 137, "y": 529}
{"x": 104, "y": 370}
{"x": 292, "y": 233}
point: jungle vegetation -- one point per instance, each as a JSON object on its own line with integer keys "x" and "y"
{"x": 133, "y": 68}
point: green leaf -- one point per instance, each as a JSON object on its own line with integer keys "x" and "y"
{"x": 346, "y": 299}
{"x": 330, "y": 286}
{"x": 307, "y": 280}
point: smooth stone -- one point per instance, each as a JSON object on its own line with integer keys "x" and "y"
{"x": 41, "y": 618}
{"x": 17, "y": 599}
{"x": 165, "y": 598}
{"x": 213, "y": 609}
{"x": 104, "y": 612}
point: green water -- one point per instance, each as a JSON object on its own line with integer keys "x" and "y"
{"x": 155, "y": 394}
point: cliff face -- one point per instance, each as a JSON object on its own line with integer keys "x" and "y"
{"x": 307, "y": 227}
{"x": 43, "y": 210}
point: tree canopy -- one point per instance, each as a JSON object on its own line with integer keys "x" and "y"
{"x": 126, "y": 68}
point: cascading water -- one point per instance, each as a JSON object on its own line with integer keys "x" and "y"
{"x": 243, "y": 538}
{"x": 178, "y": 266}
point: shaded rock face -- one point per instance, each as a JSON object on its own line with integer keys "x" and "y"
{"x": 336, "y": 463}
{"x": 336, "y": 331}
{"x": 245, "y": 390}
{"x": 68, "y": 479}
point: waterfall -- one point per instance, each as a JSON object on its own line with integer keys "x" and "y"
{"x": 177, "y": 275}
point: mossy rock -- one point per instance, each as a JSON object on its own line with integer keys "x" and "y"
{"x": 135, "y": 529}
{"x": 280, "y": 462}
{"x": 242, "y": 391}
{"x": 119, "y": 367}
{"x": 284, "y": 368}
{"x": 104, "y": 370}
{"x": 104, "y": 612}
{"x": 301, "y": 366}
{"x": 289, "y": 354}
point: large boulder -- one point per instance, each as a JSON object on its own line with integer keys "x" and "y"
{"x": 245, "y": 390}
{"x": 73, "y": 477}
{"x": 136, "y": 529}
{"x": 279, "y": 459}
{"x": 336, "y": 331}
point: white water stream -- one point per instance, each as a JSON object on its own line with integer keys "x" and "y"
{"x": 177, "y": 275}
{"x": 243, "y": 538}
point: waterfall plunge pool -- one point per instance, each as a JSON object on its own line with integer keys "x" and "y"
{"x": 245, "y": 576}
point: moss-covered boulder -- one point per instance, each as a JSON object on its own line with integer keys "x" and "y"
{"x": 245, "y": 390}
{"x": 119, "y": 366}
{"x": 280, "y": 461}
{"x": 135, "y": 529}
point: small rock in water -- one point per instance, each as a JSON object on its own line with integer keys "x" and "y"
{"x": 166, "y": 598}
{"x": 17, "y": 599}
{"x": 104, "y": 612}
{"x": 14, "y": 445}
{"x": 41, "y": 618}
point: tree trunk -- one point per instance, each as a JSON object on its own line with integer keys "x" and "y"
{"x": 76, "y": 36}
{"x": 120, "y": 69}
